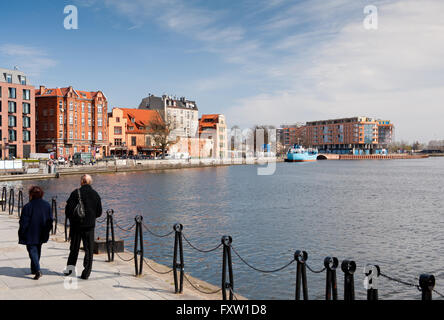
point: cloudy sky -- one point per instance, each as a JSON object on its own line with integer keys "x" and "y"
{"x": 257, "y": 61}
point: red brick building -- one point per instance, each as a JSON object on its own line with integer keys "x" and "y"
{"x": 17, "y": 115}
{"x": 70, "y": 121}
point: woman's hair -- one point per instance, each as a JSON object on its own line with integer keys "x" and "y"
{"x": 35, "y": 192}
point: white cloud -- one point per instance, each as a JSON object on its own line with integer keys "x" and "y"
{"x": 395, "y": 72}
{"x": 33, "y": 60}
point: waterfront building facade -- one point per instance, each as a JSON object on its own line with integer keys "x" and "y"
{"x": 71, "y": 121}
{"x": 17, "y": 115}
{"x": 289, "y": 135}
{"x": 357, "y": 135}
{"x": 181, "y": 114}
{"x": 130, "y": 132}
{"x": 214, "y": 126}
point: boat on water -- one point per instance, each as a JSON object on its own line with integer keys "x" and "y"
{"x": 299, "y": 154}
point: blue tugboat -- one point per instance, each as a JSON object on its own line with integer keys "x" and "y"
{"x": 299, "y": 154}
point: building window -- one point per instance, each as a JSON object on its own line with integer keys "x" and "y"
{"x": 23, "y": 80}
{"x": 9, "y": 78}
{"x": 12, "y": 135}
{"x": 70, "y": 119}
{"x": 117, "y": 142}
{"x": 71, "y": 106}
{"x": 83, "y": 135}
{"x": 117, "y": 119}
{"x": 83, "y": 121}
{"x": 61, "y": 120}
{"x": 12, "y": 106}
{"x": 99, "y": 122}
{"x": 12, "y": 93}
{"x": 26, "y": 108}
{"x": 99, "y": 108}
{"x": 51, "y": 112}
{"x": 51, "y": 126}
{"x": 26, "y": 136}
{"x": 133, "y": 141}
{"x": 26, "y": 94}
{"x": 83, "y": 107}
{"x": 61, "y": 150}
{"x": 117, "y": 130}
{"x": 70, "y": 134}
{"x": 12, "y": 121}
{"x": 89, "y": 108}
{"x": 61, "y": 134}
{"x": 89, "y": 135}
{"x": 26, "y": 122}
{"x": 99, "y": 135}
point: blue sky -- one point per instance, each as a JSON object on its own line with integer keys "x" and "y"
{"x": 257, "y": 61}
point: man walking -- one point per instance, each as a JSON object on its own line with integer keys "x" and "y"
{"x": 83, "y": 228}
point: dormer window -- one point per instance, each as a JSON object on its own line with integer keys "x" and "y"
{"x": 8, "y": 78}
{"x": 23, "y": 80}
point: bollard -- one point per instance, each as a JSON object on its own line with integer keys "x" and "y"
{"x": 226, "y": 263}
{"x": 4, "y": 198}
{"x": 331, "y": 291}
{"x": 301, "y": 274}
{"x": 138, "y": 246}
{"x": 178, "y": 286}
{"x": 110, "y": 244}
{"x": 11, "y": 202}
{"x": 20, "y": 203}
{"x": 426, "y": 283}
{"x": 349, "y": 268}
{"x": 54, "y": 214}
{"x": 371, "y": 273}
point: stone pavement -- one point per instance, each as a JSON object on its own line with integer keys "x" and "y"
{"x": 108, "y": 281}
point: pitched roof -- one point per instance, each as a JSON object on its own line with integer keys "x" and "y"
{"x": 208, "y": 121}
{"x": 140, "y": 118}
{"x": 52, "y": 92}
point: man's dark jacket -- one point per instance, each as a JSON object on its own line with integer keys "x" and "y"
{"x": 91, "y": 203}
{"x": 35, "y": 222}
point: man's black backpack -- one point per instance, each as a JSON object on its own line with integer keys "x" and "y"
{"x": 79, "y": 210}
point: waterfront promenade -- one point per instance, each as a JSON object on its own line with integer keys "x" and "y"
{"x": 108, "y": 281}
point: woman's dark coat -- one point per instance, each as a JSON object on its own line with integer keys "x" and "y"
{"x": 92, "y": 204}
{"x": 35, "y": 222}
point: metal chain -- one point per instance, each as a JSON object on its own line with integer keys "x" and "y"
{"x": 438, "y": 293}
{"x": 101, "y": 221}
{"x": 155, "y": 234}
{"x": 201, "y": 250}
{"x": 204, "y": 292}
{"x": 400, "y": 281}
{"x": 314, "y": 271}
{"x": 144, "y": 260}
{"x": 123, "y": 258}
{"x": 259, "y": 270}
{"x": 234, "y": 295}
{"x": 123, "y": 229}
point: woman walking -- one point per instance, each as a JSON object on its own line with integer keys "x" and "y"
{"x": 35, "y": 225}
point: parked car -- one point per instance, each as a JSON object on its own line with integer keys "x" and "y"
{"x": 82, "y": 158}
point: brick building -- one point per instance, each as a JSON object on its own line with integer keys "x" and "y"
{"x": 358, "y": 135}
{"x": 17, "y": 115}
{"x": 70, "y": 121}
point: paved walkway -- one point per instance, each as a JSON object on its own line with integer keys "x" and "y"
{"x": 108, "y": 281}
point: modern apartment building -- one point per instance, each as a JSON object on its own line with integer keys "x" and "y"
{"x": 129, "y": 131}
{"x": 181, "y": 114}
{"x": 290, "y": 135}
{"x": 70, "y": 121}
{"x": 17, "y": 115}
{"x": 358, "y": 135}
{"x": 214, "y": 126}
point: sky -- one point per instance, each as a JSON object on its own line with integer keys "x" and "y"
{"x": 268, "y": 62}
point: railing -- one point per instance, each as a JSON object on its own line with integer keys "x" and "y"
{"x": 373, "y": 274}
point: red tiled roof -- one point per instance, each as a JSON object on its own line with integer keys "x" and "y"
{"x": 142, "y": 118}
{"x": 208, "y": 121}
{"x": 52, "y": 92}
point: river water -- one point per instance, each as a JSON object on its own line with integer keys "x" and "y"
{"x": 383, "y": 212}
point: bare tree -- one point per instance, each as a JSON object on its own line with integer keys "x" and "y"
{"x": 161, "y": 132}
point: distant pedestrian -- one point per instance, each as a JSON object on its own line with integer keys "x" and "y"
{"x": 83, "y": 228}
{"x": 35, "y": 225}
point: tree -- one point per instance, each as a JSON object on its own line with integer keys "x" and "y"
{"x": 161, "y": 132}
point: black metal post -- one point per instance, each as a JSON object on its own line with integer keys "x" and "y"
{"x": 349, "y": 268}
{"x": 331, "y": 264}
{"x": 426, "y": 283}
{"x": 301, "y": 274}
{"x": 371, "y": 273}
{"x": 138, "y": 246}
{"x": 227, "y": 263}
{"x": 178, "y": 248}
{"x": 4, "y": 198}
{"x": 110, "y": 243}
{"x": 11, "y": 201}
{"x": 20, "y": 203}
{"x": 54, "y": 214}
